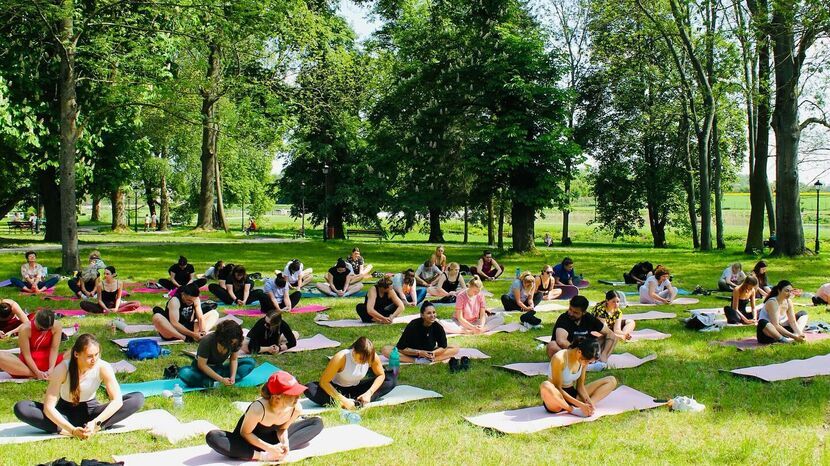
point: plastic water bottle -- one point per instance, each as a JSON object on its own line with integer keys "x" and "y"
{"x": 112, "y": 326}
{"x": 77, "y": 326}
{"x": 395, "y": 362}
{"x": 178, "y": 399}
{"x": 350, "y": 416}
{"x": 518, "y": 271}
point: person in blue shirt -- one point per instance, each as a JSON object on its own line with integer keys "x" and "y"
{"x": 564, "y": 273}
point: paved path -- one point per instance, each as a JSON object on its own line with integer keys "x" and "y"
{"x": 88, "y": 245}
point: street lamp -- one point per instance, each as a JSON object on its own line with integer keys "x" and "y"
{"x": 818, "y": 186}
{"x": 302, "y": 227}
{"x": 326, "y": 202}
{"x": 135, "y": 207}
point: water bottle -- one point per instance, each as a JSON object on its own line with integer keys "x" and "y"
{"x": 77, "y": 326}
{"x": 178, "y": 400}
{"x": 518, "y": 271}
{"x": 350, "y": 417}
{"x": 395, "y": 362}
{"x": 112, "y": 327}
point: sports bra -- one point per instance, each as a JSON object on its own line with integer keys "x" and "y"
{"x": 449, "y": 286}
{"x": 260, "y": 430}
{"x": 542, "y": 287}
{"x": 568, "y": 377}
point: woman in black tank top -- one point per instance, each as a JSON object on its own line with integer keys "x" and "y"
{"x": 545, "y": 289}
{"x": 449, "y": 285}
{"x": 109, "y": 291}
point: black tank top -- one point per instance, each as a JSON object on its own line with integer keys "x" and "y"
{"x": 261, "y": 431}
{"x": 381, "y": 301}
{"x": 187, "y": 314}
{"x": 545, "y": 289}
{"x": 109, "y": 297}
{"x": 449, "y": 286}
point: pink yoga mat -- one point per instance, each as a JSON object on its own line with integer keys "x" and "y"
{"x": 309, "y": 308}
{"x": 245, "y": 312}
{"x": 148, "y": 290}
{"x": 651, "y": 315}
{"x": 70, "y": 312}
{"x": 316, "y": 342}
{"x": 345, "y": 323}
{"x": 797, "y": 368}
{"x": 47, "y": 292}
{"x": 751, "y": 343}
{"x": 506, "y": 328}
{"x": 123, "y": 342}
{"x": 536, "y": 418}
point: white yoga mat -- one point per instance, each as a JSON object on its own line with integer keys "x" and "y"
{"x": 316, "y": 342}
{"x": 678, "y": 301}
{"x": 797, "y": 368}
{"x": 506, "y": 328}
{"x": 651, "y": 315}
{"x": 536, "y": 418}
{"x": 344, "y": 323}
{"x": 399, "y": 395}
{"x": 124, "y": 342}
{"x": 615, "y": 361}
{"x": 133, "y": 328}
{"x": 330, "y": 441}
{"x": 636, "y": 335}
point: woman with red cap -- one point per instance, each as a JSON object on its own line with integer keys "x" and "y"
{"x": 268, "y": 429}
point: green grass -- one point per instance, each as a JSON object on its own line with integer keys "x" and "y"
{"x": 746, "y": 422}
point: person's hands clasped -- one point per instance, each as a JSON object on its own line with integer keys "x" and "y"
{"x": 365, "y": 398}
{"x": 348, "y": 404}
{"x": 227, "y": 381}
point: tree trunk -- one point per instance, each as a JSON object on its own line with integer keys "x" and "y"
{"x": 150, "y": 197}
{"x": 691, "y": 203}
{"x": 335, "y": 209}
{"x": 790, "y": 238}
{"x": 435, "y": 233}
{"x": 501, "y": 221}
{"x": 209, "y": 134}
{"x": 221, "y": 219}
{"x": 718, "y": 176}
{"x": 68, "y": 138}
{"x": 491, "y": 237}
{"x": 96, "y": 208}
{"x": 51, "y": 200}
{"x": 770, "y": 210}
{"x": 566, "y": 212}
{"x": 164, "y": 205}
{"x": 119, "y": 212}
{"x": 656, "y": 225}
{"x": 524, "y": 220}
{"x": 466, "y": 222}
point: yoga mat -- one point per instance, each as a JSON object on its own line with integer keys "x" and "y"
{"x": 330, "y": 441}
{"x": 70, "y": 312}
{"x": 795, "y": 369}
{"x": 149, "y": 290}
{"x": 536, "y": 418}
{"x": 316, "y": 342}
{"x": 679, "y": 301}
{"x": 751, "y": 343}
{"x": 651, "y": 315}
{"x": 119, "y": 367}
{"x": 718, "y": 310}
{"x": 5, "y": 283}
{"x": 568, "y": 291}
{"x": 507, "y": 328}
{"x": 61, "y": 298}
{"x": 359, "y": 323}
{"x": 123, "y": 342}
{"x": 309, "y": 308}
{"x": 613, "y": 282}
{"x": 548, "y": 306}
{"x": 582, "y": 284}
{"x": 636, "y": 335}
{"x": 399, "y": 395}
{"x": 46, "y": 292}
{"x": 133, "y": 328}
{"x": 155, "y": 387}
{"x": 615, "y": 361}
{"x": 471, "y": 353}
{"x": 244, "y": 312}
{"x": 307, "y": 294}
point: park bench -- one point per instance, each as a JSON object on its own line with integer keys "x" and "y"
{"x": 21, "y": 225}
{"x": 379, "y": 234}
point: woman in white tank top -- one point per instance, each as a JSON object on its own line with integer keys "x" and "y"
{"x": 566, "y": 390}
{"x": 70, "y": 407}
{"x": 778, "y": 321}
{"x": 344, "y": 378}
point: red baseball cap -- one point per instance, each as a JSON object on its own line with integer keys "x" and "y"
{"x": 283, "y": 383}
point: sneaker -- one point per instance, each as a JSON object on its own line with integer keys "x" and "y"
{"x": 596, "y": 366}
{"x": 686, "y": 404}
{"x": 453, "y": 365}
{"x": 465, "y": 363}
{"x": 785, "y": 340}
{"x": 321, "y": 317}
{"x": 536, "y": 327}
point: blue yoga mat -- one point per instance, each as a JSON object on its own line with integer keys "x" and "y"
{"x": 307, "y": 294}
{"x": 257, "y": 377}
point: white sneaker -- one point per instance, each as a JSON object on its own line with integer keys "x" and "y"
{"x": 536, "y": 327}
{"x": 596, "y": 366}
{"x": 785, "y": 340}
{"x": 686, "y": 404}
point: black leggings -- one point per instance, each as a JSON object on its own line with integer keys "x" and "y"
{"x": 168, "y": 284}
{"x": 233, "y": 445}
{"x": 733, "y": 316}
{"x": 76, "y": 288}
{"x": 763, "y": 338}
{"x": 31, "y": 412}
{"x": 363, "y": 312}
{"x": 223, "y": 295}
{"x": 510, "y": 304}
{"x": 266, "y": 305}
{"x": 315, "y": 392}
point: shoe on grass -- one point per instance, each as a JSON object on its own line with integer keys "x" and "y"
{"x": 596, "y": 366}
{"x": 464, "y": 365}
{"x": 453, "y": 365}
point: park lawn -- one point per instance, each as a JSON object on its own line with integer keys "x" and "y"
{"x": 745, "y": 422}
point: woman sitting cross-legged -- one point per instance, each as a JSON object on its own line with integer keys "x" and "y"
{"x": 12, "y": 318}
{"x": 238, "y": 288}
{"x": 270, "y": 334}
{"x": 39, "y": 339}
{"x": 360, "y": 269}
{"x": 545, "y": 286}
{"x": 214, "y": 349}
{"x": 522, "y": 297}
{"x": 83, "y": 285}
{"x": 657, "y": 288}
{"x": 742, "y": 296}
{"x": 33, "y": 276}
{"x": 297, "y": 275}
{"x": 732, "y": 277}
{"x": 423, "y": 338}
{"x": 276, "y": 296}
{"x": 70, "y": 407}
{"x": 109, "y": 291}
{"x": 471, "y": 312}
{"x": 609, "y": 313}
{"x": 270, "y": 426}
{"x": 566, "y": 389}
{"x": 182, "y": 317}
{"x": 404, "y": 285}
{"x": 449, "y": 284}
{"x": 382, "y": 304}
{"x": 344, "y": 379}
{"x": 777, "y": 321}
{"x": 338, "y": 281}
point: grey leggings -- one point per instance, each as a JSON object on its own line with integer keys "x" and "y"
{"x": 31, "y": 412}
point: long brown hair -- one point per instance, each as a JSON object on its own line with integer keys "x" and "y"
{"x": 74, "y": 373}
{"x": 365, "y": 348}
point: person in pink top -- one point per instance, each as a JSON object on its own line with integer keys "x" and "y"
{"x": 471, "y": 312}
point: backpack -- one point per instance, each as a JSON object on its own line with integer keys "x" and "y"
{"x": 143, "y": 348}
{"x": 699, "y": 321}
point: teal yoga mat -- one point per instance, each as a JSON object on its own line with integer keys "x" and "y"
{"x": 256, "y": 378}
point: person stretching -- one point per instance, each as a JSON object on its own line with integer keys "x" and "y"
{"x": 338, "y": 281}
{"x": 69, "y": 407}
{"x": 39, "y": 339}
{"x": 270, "y": 334}
{"x": 12, "y": 318}
{"x": 270, "y": 426}
{"x": 182, "y": 317}
{"x": 777, "y": 321}
{"x": 657, "y": 288}
{"x": 407, "y": 290}
{"x": 381, "y": 305}
{"x": 731, "y": 277}
{"x": 609, "y": 313}
{"x": 564, "y": 273}
{"x": 439, "y": 258}
{"x": 760, "y": 272}
{"x": 86, "y": 280}
{"x": 522, "y": 297}
{"x": 471, "y": 312}
{"x": 344, "y": 379}
{"x": 427, "y": 274}
{"x": 109, "y": 291}
{"x": 181, "y": 273}
{"x": 487, "y": 268}
{"x": 276, "y": 296}
{"x": 359, "y": 268}
{"x": 545, "y": 289}
{"x": 449, "y": 284}
{"x": 639, "y": 273}
{"x": 566, "y": 390}
{"x": 578, "y": 323}
{"x": 238, "y": 289}
{"x": 297, "y": 275}
{"x": 423, "y": 338}
{"x": 214, "y": 349}
{"x": 741, "y": 296}
{"x": 33, "y": 276}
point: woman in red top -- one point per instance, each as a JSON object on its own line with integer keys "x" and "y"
{"x": 40, "y": 341}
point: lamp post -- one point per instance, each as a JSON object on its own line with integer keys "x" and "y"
{"x": 818, "y": 186}
{"x": 302, "y": 226}
{"x": 135, "y": 207}
{"x": 326, "y": 202}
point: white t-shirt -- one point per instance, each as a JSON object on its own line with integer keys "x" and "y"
{"x": 270, "y": 286}
{"x": 292, "y": 278}
{"x": 727, "y": 275}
